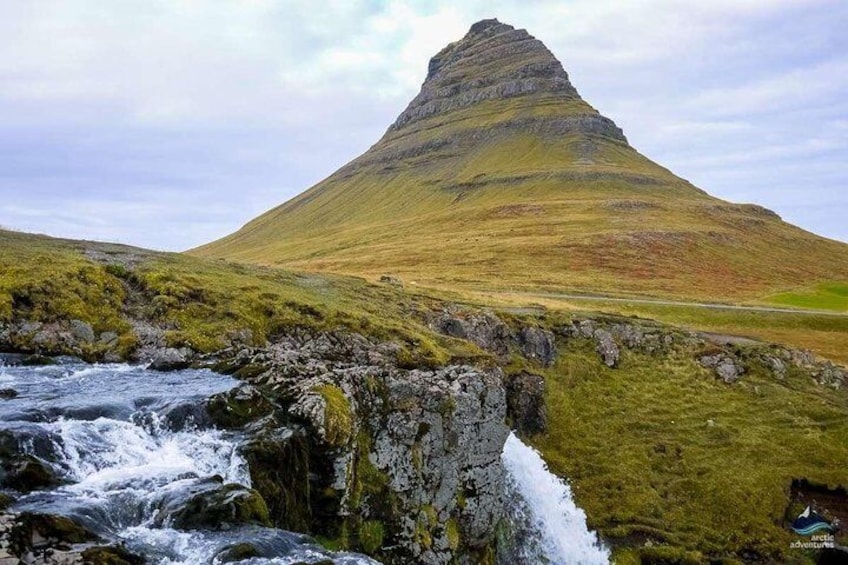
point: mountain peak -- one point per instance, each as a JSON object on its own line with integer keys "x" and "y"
{"x": 493, "y": 61}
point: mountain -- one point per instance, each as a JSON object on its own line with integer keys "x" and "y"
{"x": 498, "y": 175}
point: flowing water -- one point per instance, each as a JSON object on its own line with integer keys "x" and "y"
{"x": 546, "y": 526}
{"x": 125, "y": 439}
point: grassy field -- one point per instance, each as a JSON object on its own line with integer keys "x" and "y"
{"x": 829, "y": 296}
{"x": 659, "y": 449}
{"x": 655, "y": 449}
{"x": 203, "y": 302}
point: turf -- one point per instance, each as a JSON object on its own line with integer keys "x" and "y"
{"x": 828, "y": 296}
{"x": 663, "y": 451}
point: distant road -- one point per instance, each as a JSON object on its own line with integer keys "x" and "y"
{"x": 660, "y": 302}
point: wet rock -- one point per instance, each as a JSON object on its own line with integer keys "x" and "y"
{"x": 538, "y": 345}
{"x": 38, "y": 361}
{"x": 171, "y": 359}
{"x": 8, "y": 393}
{"x": 238, "y": 407}
{"x": 38, "y": 532}
{"x": 237, "y": 552}
{"x": 210, "y": 504}
{"x": 525, "y": 397}
{"x": 25, "y": 473}
{"x": 606, "y": 347}
{"x": 26, "y": 470}
{"x": 725, "y": 367}
{"x": 110, "y": 555}
{"x": 279, "y": 463}
{"x": 5, "y": 501}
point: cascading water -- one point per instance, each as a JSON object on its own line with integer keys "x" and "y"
{"x": 125, "y": 440}
{"x": 544, "y": 523}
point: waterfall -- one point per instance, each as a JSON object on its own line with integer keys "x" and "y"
{"x": 545, "y": 525}
{"x": 125, "y": 441}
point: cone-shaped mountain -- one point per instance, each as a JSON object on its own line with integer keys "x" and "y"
{"x": 499, "y": 175}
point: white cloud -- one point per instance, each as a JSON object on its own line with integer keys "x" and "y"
{"x": 280, "y": 92}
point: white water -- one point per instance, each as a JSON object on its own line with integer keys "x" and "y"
{"x": 551, "y": 528}
{"x": 121, "y": 458}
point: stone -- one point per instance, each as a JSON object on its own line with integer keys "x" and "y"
{"x": 8, "y": 393}
{"x": 392, "y": 281}
{"x": 238, "y": 407}
{"x": 725, "y": 367}
{"x": 171, "y": 359}
{"x": 108, "y": 339}
{"x": 525, "y": 397}
{"x": 606, "y": 347}
{"x": 82, "y": 331}
{"x": 210, "y": 504}
{"x": 537, "y": 345}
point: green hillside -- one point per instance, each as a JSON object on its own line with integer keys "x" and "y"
{"x": 499, "y": 176}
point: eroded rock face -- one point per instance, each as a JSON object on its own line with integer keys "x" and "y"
{"x": 538, "y": 345}
{"x": 408, "y": 461}
{"x": 495, "y": 61}
{"x": 525, "y": 396}
{"x": 726, "y": 367}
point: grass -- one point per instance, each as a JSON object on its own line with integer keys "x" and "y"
{"x": 518, "y": 209}
{"x": 205, "y": 304}
{"x": 674, "y": 456}
{"x": 636, "y": 442}
{"x": 828, "y": 296}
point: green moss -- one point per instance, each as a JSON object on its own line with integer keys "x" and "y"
{"x": 110, "y": 555}
{"x": 59, "y": 528}
{"x": 338, "y": 418}
{"x": 370, "y": 536}
{"x": 279, "y": 471}
{"x": 452, "y": 533}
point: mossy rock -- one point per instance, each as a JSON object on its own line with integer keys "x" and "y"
{"x": 338, "y": 417}
{"x": 26, "y": 473}
{"x": 5, "y": 501}
{"x": 231, "y": 504}
{"x": 237, "y": 552}
{"x": 38, "y": 361}
{"x": 46, "y": 530}
{"x": 110, "y": 555}
{"x": 238, "y": 407}
{"x": 280, "y": 471}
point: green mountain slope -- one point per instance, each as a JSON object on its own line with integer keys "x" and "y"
{"x": 498, "y": 175}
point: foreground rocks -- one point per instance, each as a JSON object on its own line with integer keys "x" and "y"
{"x": 401, "y": 464}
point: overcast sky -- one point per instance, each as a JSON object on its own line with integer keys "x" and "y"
{"x": 169, "y": 123}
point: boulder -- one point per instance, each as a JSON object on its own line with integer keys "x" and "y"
{"x": 82, "y": 331}
{"x": 725, "y": 367}
{"x": 525, "y": 398}
{"x": 238, "y": 407}
{"x": 537, "y": 345}
{"x": 211, "y": 504}
{"x": 606, "y": 347}
{"x": 171, "y": 359}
